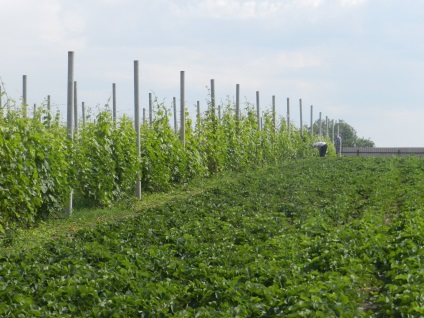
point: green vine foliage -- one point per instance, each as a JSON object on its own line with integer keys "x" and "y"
{"x": 106, "y": 161}
{"x": 124, "y": 154}
{"x": 40, "y": 165}
{"x": 53, "y": 166}
{"x": 234, "y": 159}
{"x": 212, "y": 140}
{"x": 250, "y": 139}
{"x": 196, "y": 157}
{"x": 163, "y": 159}
{"x": 34, "y": 169}
{"x": 95, "y": 165}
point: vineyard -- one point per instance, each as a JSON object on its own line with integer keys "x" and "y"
{"x": 40, "y": 166}
{"x": 317, "y": 237}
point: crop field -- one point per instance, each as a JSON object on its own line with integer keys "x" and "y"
{"x": 317, "y": 237}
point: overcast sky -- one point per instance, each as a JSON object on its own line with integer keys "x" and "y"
{"x": 361, "y": 61}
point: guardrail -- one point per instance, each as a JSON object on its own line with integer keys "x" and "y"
{"x": 382, "y": 151}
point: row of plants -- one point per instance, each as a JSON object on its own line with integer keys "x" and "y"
{"x": 339, "y": 237}
{"x": 34, "y": 169}
{"x": 40, "y": 166}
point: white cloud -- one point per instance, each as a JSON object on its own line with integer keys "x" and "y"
{"x": 351, "y": 3}
{"x": 44, "y": 23}
{"x": 228, "y": 9}
{"x": 310, "y": 3}
{"x": 242, "y": 9}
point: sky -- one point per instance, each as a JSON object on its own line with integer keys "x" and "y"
{"x": 361, "y": 61}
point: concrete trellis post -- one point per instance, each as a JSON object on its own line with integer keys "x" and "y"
{"x": 341, "y": 141}
{"x": 150, "y": 109}
{"x": 24, "y": 96}
{"x": 49, "y": 115}
{"x": 301, "y": 117}
{"x": 70, "y": 114}
{"x": 198, "y": 115}
{"x": 75, "y": 107}
{"x": 144, "y": 115}
{"x": 326, "y": 126}
{"x": 137, "y": 125}
{"x": 83, "y": 113}
{"x": 182, "y": 107}
{"x": 320, "y": 124}
{"x": 114, "y": 102}
{"x": 312, "y": 120}
{"x": 175, "y": 114}
{"x": 213, "y": 99}
{"x": 273, "y": 113}
{"x": 288, "y": 114}
{"x": 237, "y": 103}
{"x": 258, "y": 110}
{"x": 262, "y": 121}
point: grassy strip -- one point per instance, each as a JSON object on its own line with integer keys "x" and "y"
{"x": 23, "y": 240}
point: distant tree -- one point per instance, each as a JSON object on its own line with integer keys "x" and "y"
{"x": 362, "y": 142}
{"x": 348, "y": 133}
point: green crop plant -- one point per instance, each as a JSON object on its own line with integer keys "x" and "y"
{"x": 164, "y": 161}
{"x": 105, "y": 159}
{"x": 34, "y": 168}
{"x": 40, "y": 165}
{"x": 302, "y": 238}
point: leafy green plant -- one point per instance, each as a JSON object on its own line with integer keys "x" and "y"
{"x": 34, "y": 168}
{"x": 100, "y": 165}
{"x": 333, "y": 238}
{"x": 164, "y": 161}
{"x": 94, "y": 161}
